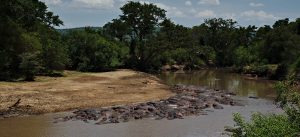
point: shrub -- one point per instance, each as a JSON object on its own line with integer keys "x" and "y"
{"x": 294, "y": 70}
{"x": 261, "y": 70}
{"x": 272, "y": 125}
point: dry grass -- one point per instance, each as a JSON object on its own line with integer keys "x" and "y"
{"x": 83, "y": 90}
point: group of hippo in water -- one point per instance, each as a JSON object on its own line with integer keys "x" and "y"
{"x": 189, "y": 100}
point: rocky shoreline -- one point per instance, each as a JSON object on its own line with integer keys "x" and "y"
{"x": 188, "y": 101}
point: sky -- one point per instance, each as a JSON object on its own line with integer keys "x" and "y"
{"x": 80, "y": 13}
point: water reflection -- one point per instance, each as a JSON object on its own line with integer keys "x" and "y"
{"x": 222, "y": 79}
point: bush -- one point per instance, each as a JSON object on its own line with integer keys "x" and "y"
{"x": 264, "y": 126}
{"x": 55, "y": 74}
{"x": 289, "y": 98}
{"x": 294, "y": 70}
{"x": 273, "y": 125}
{"x": 261, "y": 70}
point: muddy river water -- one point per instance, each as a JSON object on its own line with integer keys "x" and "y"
{"x": 211, "y": 125}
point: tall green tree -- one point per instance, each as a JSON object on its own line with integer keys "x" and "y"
{"x": 217, "y": 33}
{"x": 116, "y": 29}
{"x": 142, "y": 19}
{"x": 89, "y": 51}
{"x": 22, "y": 41}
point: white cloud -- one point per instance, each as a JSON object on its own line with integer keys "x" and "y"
{"x": 93, "y": 4}
{"x": 258, "y": 15}
{"x": 147, "y": 2}
{"x": 171, "y": 11}
{"x": 192, "y": 10}
{"x": 256, "y": 4}
{"x": 177, "y": 13}
{"x": 232, "y": 16}
{"x": 188, "y": 3}
{"x": 212, "y": 14}
{"x": 52, "y": 2}
{"x": 206, "y": 14}
{"x": 209, "y": 2}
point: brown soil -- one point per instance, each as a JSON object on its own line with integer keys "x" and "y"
{"x": 82, "y": 90}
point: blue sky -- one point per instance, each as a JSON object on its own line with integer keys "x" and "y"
{"x": 78, "y": 13}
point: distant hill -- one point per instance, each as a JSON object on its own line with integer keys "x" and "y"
{"x": 63, "y": 31}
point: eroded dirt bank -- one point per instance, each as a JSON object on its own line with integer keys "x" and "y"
{"x": 78, "y": 91}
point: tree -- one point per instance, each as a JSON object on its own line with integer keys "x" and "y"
{"x": 29, "y": 65}
{"x": 262, "y": 32}
{"x": 89, "y": 51}
{"x": 115, "y": 29}
{"x": 11, "y": 46}
{"x": 217, "y": 34}
{"x": 281, "y": 23}
{"x": 24, "y": 23}
{"x": 142, "y": 19}
{"x": 28, "y": 13}
{"x": 281, "y": 44}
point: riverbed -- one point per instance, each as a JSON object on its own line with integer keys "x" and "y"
{"x": 211, "y": 125}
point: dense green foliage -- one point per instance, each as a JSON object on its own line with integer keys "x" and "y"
{"x": 217, "y": 42}
{"x": 264, "y": 126}
{"x": 89, "y": 51}
{"x": 29, "y": 44}
{"x": 141, "y": 38}
{"x": 138, "y": 22}
{"x": 271, "y": 125}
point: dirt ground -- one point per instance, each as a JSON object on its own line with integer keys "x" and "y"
{"x": 83, "y": 90}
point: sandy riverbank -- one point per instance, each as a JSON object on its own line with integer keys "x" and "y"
{"x": 81, "y": 90}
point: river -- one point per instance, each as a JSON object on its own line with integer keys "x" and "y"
{"x": 211, "y": 125}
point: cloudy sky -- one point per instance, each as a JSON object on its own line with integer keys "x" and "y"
{"x": 78, "y": 13}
